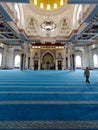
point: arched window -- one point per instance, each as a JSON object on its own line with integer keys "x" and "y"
{"x": 78, "y": 61}
{"x": 17, "y": 13}
{"x": 95, "y": 59}
{"x": 79, "y": 13}
{"x": 0, "y": 59}
{"x": 17, "y": 61}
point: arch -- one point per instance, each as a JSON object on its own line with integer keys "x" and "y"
{"x": 17, "y": 10}
{"x": 21, "y": 13}
{"x": 79, "y": 12}
{"x": 0, "y": 59}
{"x": 47, "y": 61}
{"x": 46, "y": 53}
{"x": 95, "y": 60}
{"x": 75, "y": 14}
{"x": 17, "y": 61}
{"x": 78, "y": 61}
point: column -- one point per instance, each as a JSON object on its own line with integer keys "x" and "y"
{"x": 63, "y": 60}
{"x": 91, "y": 65}
{"x": 10, "y": 57}
{"x": 66, "y": 56}
{"x": 85, "y": 55}
{"x": 4, "y": 58}
{"x": 71, "y": 56}
{"x": 39, "y": 60}
{"x": 97, "y": 55}
{"x": 31, "y": 58}
{"x": 24, "y": 56}
{"x": 27, "y": 55}
{"x": 56, "y": 65}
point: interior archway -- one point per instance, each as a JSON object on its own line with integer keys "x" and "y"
{"x": 48, "y": 62}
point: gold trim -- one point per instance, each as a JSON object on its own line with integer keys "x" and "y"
{"x": 48, "y": 3}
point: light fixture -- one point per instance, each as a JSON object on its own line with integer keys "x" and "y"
{"x": 48, "y": 25}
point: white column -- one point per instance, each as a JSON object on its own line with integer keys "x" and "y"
{"x": 91, "y": 65}
{"x": 56, "y": 65}
{"x": 10, "y": 57}
{"x": 68, "y": 53}
{"x": 97, "y": 53}
{"x": 73, "y": 56}
{"x": 85, "y": 55}
{"x": 4, "y": 58}
{"x": 39, "y": 64}
{"x": 27, "y": 55}
{"x": 33, "y": 64}
{"x": 24, "y": 56}
{"x": 31, "y": 58}
{"x": 65, "y": 57}
{"x": 64, "y": 60}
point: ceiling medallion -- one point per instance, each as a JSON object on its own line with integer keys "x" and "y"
{"x": 48, "y": 25}
{"x": 48, "y": 4}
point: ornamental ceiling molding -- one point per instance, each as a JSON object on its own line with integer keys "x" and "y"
{"x": 48, "y": 4}
{"x": 52, "y": 13}
{"x": 16, "y": 1}
{"x": 65, "y": 27}
{"x": 30, "y": 28}
{"x": 82, "y": 2}
{"x": 68, "y": 1}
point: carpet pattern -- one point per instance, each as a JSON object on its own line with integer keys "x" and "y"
{"x": 48, "y": 100}
{"x": 50, "y": 125}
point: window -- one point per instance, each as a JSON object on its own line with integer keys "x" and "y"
{"x": 95, "y": 60}
{"x": 35, "y": 2}
{"x": 48, "y": 6}
{"x": 55, "y": 6}
{"x": 41, "y": 5}
{"x": 79, "y": 12}
{"x": 17, "y": 13}
{"x": 78, "y": 61}
{"x": 17, "y": 61}
{"x": 61, "y": 2}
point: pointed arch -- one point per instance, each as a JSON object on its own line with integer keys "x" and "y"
{"x": 46, "y": 53}
{"x": 47, "y": 60}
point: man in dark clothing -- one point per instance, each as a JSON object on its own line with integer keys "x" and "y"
{"x": 87, "y": 74}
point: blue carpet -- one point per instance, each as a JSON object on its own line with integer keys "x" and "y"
{"x": 48, "y": 100}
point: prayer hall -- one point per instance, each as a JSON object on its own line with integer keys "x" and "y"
{"x": 45, "y": 47}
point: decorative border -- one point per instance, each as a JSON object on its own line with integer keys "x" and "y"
{"x": 82, "y": 2}
{"x": 18, "y": 1}
{"x": 49, "y": 125}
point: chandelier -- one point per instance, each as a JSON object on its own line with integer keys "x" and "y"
{"x": 48, "y": 25}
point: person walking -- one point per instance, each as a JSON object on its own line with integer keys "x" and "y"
{"x": 87, "y": 74}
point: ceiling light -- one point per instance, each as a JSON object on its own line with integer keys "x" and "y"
{"x": 48, "y": 25}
